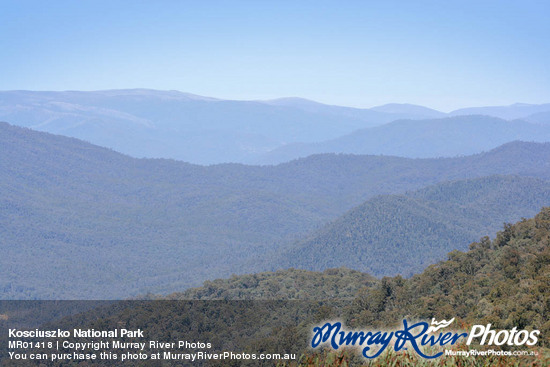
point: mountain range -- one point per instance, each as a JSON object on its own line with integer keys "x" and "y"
{"x": 170, "y": 124}
{"x": 81, "y": 221}
{"x": 512, "y": 112}
{"x": 204, "y": 130}
{"x": 442, "y": 137}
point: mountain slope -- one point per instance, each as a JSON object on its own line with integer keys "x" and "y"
{"x": 402, "y": 234}
{"x": 511, "y": 112}
{"x": 503, "y": 282}
{"x": 447, "y": 137}
{"x": 171, "y": 124}
{"x": 539, "y": 118}
{"x": 289, "y": 284}
{"x": 386, "y": 113}
{"x": 94, "y": 223}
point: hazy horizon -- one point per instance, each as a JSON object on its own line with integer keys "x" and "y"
{"x": 444, "y": 56}
{"x": 272, "y": 99}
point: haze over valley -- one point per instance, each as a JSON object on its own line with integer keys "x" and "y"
{"x": 84, "y": 222}
{"x": 205, "y": 130}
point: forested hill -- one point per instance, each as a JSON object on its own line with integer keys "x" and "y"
{"x": 402, "y": 234}
{"x": 289, "y": 284}
{"x": 93, "y": 223}
{"x": 503, "y": 282}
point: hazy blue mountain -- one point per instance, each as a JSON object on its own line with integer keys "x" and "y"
{"x": 539, "y": 118}
{"x": 77, "y": 220}
{"x": 171, "y": 124}
{"x": 403, "y": 234}
{"x": 383, "y": 114}
{"x": 405, "y": 109}
{"x": 512, "y": 112}
{"x": 203, "y": 130}
{"x": 447, "y": 137}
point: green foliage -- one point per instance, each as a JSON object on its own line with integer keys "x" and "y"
{"x": 503, "y": 282}
{"x": 291, "y": 284}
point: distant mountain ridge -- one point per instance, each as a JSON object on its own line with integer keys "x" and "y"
{"x": 512, "y": 112}
{"x": 409, "y": 109}
{"x": 171, "y": 124}
{"x": 445, "y": 137}
{"x": 204, "y": 130}
{"x": 539, "y": 118}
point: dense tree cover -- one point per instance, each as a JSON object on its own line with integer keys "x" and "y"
{"x": 80, "y": 221}
{"x": 502, "y": 281}
{"x": 402, "y": 234}
{"x": 291, "y": 284}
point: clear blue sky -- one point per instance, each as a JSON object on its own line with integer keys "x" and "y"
{"x": 442, "y": 54}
